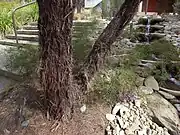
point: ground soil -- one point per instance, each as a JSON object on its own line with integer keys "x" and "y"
{"x": 21, "y": 104}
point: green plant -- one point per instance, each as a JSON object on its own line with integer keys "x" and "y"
{"x": 5, "y": 16}
{"x": 5, "y": 21}
{"x": 110, "y": 85}
{"x": 82, "y": 42}
{"x": 27, "y": 14}
{"x": 22, "y": 60}
{"x": 165, "y": 50}
{"x": 23, "y": 16}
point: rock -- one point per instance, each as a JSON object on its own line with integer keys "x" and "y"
{"x": 83, "y": 108}
{"x": 172, "y": 92}
{"x": 177, "y": 107}
{"x": 119, "y": 107}
{"x": 110, "y": 117}
{"x": 175, "y": 101}
{"x": 166, "y": 95}
{"x": 25, "y": 123}
{"x": 139, "y": 81}
{"x": 164, "y": 112}
{"x": 121, "y": 132}
{"x": 7, "y": 132}
{"x": 145, "y": 90}
{"x": 152, "y": 83}
{"x": 137, "y": 103}
{"x": 108, "y": 130}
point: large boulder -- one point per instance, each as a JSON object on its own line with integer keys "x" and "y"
{"x": 152, "y": 83}
{"x": 165, "y": 114}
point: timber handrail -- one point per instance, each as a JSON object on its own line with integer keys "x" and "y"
{"x": 13, "y": 16}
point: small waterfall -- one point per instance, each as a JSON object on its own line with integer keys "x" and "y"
{"x": 148, "y": 26}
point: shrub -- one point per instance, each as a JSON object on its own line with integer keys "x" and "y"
{"x": 162, "y": 49}
{"x": 110, "y": 85}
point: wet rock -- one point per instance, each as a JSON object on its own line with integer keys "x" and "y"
{"x": 152, "y": 83}
{"x": 175, "y": 101}
{"x": 177, "y": 107}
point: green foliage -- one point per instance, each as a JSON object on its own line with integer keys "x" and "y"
{"x": 27, "y": 14}
{"x": 165, "y": 50}
{"x": 23, "y": 16}
{"x": 22, "y": 60}
{"x": 5, "y": 21}
{"x": 5, "y": 16}
{"x": 110, "y": 85}
{"x": 82, "y": 42}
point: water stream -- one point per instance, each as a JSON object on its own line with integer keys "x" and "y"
{"x": 148, "y": 26}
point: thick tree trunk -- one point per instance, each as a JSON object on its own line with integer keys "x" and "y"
{"x": 55, "y": 25}
{"x": 103, "y": 44}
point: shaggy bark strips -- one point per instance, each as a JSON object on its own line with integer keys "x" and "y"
{"x": 103, "y": 44}
{"x": 55, "y": 26}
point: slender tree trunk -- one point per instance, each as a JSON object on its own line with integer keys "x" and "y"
{"x": 80, "y": 5}
{"x": 103, "y": 44}
{"x": 55, "y": 26}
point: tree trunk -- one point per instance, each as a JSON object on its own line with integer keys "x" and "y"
{"x": 80, "y": 5}
{"x": 55, "y": 26}
{"x": 103, "y": 44}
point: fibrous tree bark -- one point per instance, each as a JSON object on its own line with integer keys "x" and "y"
{"x": 55, "y": 26}
{"x": 104, "y": 42}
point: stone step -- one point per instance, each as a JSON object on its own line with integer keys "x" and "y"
{"x": 153, "y": 21}
{"x": 11, "y": 42}
{"x": 151, "y": 26}
{"x": 28, "y": 32}
{"x": 36, "y": 32}
{"x": 155, "y": 34}
{"x": 29, "y": 27}
{"x": 33, "y": 38}
{"x": 35, "y": 27}
{"x": 152, "y": 36}
{"x": 75, "y": 22}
